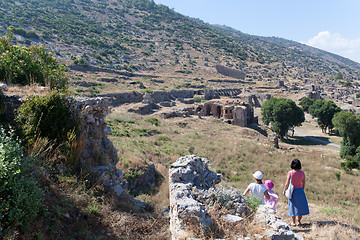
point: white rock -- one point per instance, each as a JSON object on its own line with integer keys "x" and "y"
{"x": 232, "y": 218}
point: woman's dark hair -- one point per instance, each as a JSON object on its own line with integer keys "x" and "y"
{"x": 296, "y": 164}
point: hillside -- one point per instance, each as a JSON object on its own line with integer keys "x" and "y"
{"x": 140, "y": 36}
{"x": 124, "y": 49}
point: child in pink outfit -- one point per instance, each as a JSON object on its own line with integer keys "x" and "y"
{"x": 274, "y": 198}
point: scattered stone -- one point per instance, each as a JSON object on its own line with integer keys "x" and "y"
{"x": 232, "y": 218}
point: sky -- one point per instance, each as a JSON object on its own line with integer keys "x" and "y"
{"x": 331, "y": 25}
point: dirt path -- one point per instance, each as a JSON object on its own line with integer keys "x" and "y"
{"x": 318, "y": 225}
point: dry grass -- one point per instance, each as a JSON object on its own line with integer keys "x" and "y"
{"x": 225, "y": 230}
{"x": 24, "y": 91}
{"x": 237, "y": 152}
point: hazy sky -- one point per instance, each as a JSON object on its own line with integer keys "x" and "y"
{"x": 331, "y": 25}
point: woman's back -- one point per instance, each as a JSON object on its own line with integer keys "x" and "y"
{"x": 297, "y": 178}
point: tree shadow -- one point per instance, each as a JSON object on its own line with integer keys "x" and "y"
{"x": 306, "y": 227}
{"x": 307, "y": 140}
{"x": 257, "y": 128}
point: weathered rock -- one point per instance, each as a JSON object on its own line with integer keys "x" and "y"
{"x": 229, "y": 198}
{"x": 232, "y": 218}
{"x": 188, "y": 173}
{"x": 279, "y": 229}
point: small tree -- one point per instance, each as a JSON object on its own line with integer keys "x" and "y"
{"x": 282, "y": 114}
{"x": 305, "y": 103}
{"x": 339, "y": 76}
{"x": 348, "y": 125}
{"x": 324, "y": 111}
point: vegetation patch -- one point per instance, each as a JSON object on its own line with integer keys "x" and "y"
{"x": 22, "y": 65}
{"x": 20, "y": 195}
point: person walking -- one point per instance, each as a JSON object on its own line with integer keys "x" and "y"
{"x": 298, "y": 205}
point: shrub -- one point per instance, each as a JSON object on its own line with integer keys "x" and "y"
{"x": 197, "y": 99}
{"x": 21, "y": 65}
{"x": 153, "y": 121}
{"x": 52, "y": 117}
{"x": 20, "y": 196}
{"x": 253, "y": 202}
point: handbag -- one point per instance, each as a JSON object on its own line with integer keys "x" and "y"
{"x": 290, "y": 189}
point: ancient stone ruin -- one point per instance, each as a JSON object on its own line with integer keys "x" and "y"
{"x": 230, "y": 72}
{"x": 185, "y": 174}
{"x": 192, "y": 191}
{"x": 97, "y": 148}
{"x": 233, "y": 112}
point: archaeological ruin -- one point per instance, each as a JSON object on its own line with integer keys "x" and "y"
{"x": 234, "y": 112}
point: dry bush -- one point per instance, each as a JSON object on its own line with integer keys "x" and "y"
{"x": 24, "y": 91}
{"x": 225, "y": 230}
{"x": 126, "y": 225}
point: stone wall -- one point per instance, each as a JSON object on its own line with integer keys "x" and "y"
{"x": 98, "y": 150}
{"x": 117, "y": 99}
{"x": 216, "y": 93}
{"x": 186, "y": 174}
{"x": 230, "y": 72}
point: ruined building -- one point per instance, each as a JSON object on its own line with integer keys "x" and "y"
{"x": 233, "y": 112}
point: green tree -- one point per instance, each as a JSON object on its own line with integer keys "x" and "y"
{"x": 305, "y": 103}
{"x": 324, "y": 111}
{"x": 348, "y": 125}
{"x": 21, "y": 65}
{"x": 282, "y": 114}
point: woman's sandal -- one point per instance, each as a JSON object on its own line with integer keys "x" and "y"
{"x": 293, "y": 224}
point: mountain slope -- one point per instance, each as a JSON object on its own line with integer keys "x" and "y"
{"x": 139, "y": 35}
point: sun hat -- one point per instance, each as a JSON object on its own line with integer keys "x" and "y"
{"x": 269, "y": 184}
{"x": 258, "y": 175}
